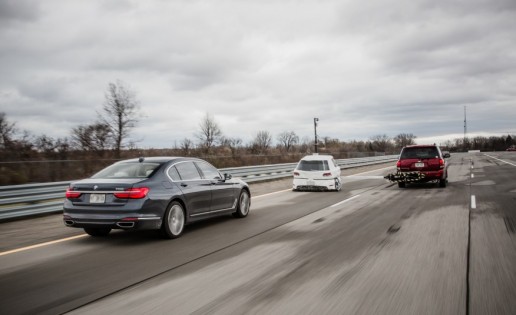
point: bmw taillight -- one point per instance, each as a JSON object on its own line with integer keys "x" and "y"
{"x": 326, "y": 174}
{"x": 132, "y": 193}
{"x": 296, "y": 173}
{"x": 70, "y": 194}
{"x": 130, "y": 219}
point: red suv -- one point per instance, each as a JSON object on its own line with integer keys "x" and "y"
{"x": 423, "y": 163}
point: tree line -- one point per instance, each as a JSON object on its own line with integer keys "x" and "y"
{"x": 89, "y": 147}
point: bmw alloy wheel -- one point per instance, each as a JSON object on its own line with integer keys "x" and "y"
{"x": 174, "y": 222}
{"x": 244, "y": 203}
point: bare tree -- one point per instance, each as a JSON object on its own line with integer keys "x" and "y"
{"x": 62, "y": 147}
{"x": 96, "y": 137}
{"x": 7, "y": 131}
{"x": 330, "y": 143}
{"x": 120, "y": 113}
{"x": 288, "y": 139}
{"x": 209, "y": 132}
{"x": 232, "y": 143}
{"x": 381, "y": 143}
{"x": 186, "y": 146}
{"x": 404, "y": 139}
{"x": 509, "y": 141}
{"x": 306, "y": 145}
{"x": 262, "y": 141}
{"x": 45, "y": 144}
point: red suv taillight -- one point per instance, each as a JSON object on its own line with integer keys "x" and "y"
{"x": 398, "y": 164}
{"x": 441, "y": 163}
{"x": 132, "y": 193}
{"x": 70, "y": 194}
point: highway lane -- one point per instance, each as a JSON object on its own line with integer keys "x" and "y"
{"x": 493, "y": 239}
{"x": 387, "y": 251}
{"x": 59, "y": 277}
{"x": 49, "y": 228}
{"x": 371, "y": 248}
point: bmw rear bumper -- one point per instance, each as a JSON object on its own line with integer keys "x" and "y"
{"x": 121, "y": 222}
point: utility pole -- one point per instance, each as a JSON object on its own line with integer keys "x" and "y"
{"x": 465, "y": 125}
{"x": 315, "y": 130}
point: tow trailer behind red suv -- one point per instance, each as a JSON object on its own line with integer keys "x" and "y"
{"x": 421, "y": 163}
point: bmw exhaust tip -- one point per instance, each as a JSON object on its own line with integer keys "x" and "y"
{"x": 125, "y": 225}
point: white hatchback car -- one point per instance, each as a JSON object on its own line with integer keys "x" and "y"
{"x": 317, "y": 172}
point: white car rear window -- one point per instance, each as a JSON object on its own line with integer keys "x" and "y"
{"x": 320, "y": 165}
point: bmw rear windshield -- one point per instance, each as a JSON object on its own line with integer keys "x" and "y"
{"x": 420, "y": 153}
{"x": 128, "y": 170}
{"x": 320, "y": 165}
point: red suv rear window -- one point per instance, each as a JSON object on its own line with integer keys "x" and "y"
{"x": 420, "y": 153}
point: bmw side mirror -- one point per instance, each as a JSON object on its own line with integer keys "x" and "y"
{"x": 227, "y": 176}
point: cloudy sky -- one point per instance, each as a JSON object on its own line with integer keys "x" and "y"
{"x": 362, "y": 67}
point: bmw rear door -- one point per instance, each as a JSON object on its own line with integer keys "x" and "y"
{"x": 196, "y": 191}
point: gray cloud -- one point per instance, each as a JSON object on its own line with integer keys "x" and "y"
{"x": 18, "y": 10}
{"x": 363, "y": 68}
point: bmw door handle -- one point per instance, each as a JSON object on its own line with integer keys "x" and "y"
{"x": 184, "y": 185}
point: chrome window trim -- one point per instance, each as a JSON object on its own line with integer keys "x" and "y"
{"x": 204, "y": 162}
{"x": 208, "y": 212}
{"x": 187, "y": 180}
{"x": 94, "y": 222}
{"x": 98, "y": 192}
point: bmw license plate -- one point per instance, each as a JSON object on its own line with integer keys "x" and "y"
{"x": 310, "y": 183}
{"x": 420, "y": 164}
{"x": 97, "y": 198}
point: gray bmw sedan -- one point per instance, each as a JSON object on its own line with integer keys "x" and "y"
{"x": 161, "y": 193}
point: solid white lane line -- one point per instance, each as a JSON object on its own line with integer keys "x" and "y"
{"x": 345, "y": 200}
{"x": 473, "y": 202}
{"x": 500, "y": 160}
{"x": 41, "y": 245}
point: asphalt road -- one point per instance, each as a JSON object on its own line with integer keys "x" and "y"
{"x": 372, "y": 248}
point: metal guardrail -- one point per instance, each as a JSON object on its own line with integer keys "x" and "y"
{"x": 32, "y": 199}
{"x": 273, "y": 171}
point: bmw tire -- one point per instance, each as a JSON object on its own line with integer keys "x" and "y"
{"x": 243, "y": 205}
{"x": 173, "y": 221}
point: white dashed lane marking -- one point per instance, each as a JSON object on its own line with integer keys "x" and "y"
{"x": 346, "y": 200}
{"x": 473, "y": 202}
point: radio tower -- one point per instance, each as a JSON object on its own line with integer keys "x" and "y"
{"x": 465, "y": 125}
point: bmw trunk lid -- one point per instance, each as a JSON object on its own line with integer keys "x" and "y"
{"x": 100, "y": 191}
